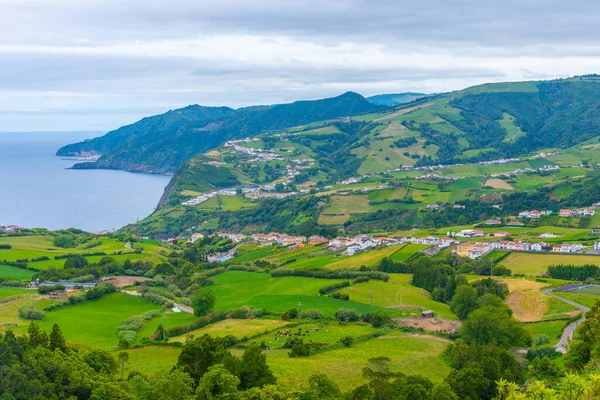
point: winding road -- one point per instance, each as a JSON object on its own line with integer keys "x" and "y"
{"x": 568, "y": 332}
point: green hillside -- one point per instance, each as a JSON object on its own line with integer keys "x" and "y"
{"x": 163, "y": 142}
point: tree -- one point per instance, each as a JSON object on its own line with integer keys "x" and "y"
{"x": 320, "y": 387}
{"x": 198, "y": 355}
{"x": 252, "y": 369}
{"x": 57, "y": 340}
{"x": 379, "y": 373}
{"x": 76, "y": 261}
{"x": 217, "y": 384}
{"x": 37, "y": 337}
{"x": 543, "y": 368}
{"x": 464, "y": 301}
{"x": 492, "y": 324}
{"x": 160, "y": 333}
{"x": 123, "y": 358}
{"x": 443, "y": 391}
{"x": 204, "y": 302}
{"x": 469, "y": 383}
{"x": 173, "y": 385}
{"x": 101, "y": 361}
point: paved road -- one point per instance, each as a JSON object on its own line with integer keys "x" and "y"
{"x": 570, "y": 329}
{"x": 183, "y": 308}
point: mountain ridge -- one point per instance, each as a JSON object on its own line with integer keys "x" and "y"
{"x": 161, "y": 143}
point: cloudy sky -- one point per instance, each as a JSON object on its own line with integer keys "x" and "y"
{"x": 99, "y": 64}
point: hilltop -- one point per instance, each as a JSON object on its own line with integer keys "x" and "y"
{"x": 395, "y": 99}
{"x": 161, "y": 143}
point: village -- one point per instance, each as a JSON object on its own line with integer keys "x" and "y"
{"x": 359, "y": 243}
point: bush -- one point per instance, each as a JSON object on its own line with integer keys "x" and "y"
{"x": 300, "y": 349}
{"x": 5, "y": 247}
{"x": 377, "y": 319}
{"x": 30, "y": 312}
{"x": 346, "y": 341}
{"x": 50, "y": 289}
{"x": 127, "y": 336}
{"x": 334, "y": 287}
{"x": 326, "y": 274}
{"x": 549, "y": 352}
{"x": 340, "y": 296}
{"x": 311, "y": 314}
{"x": 346, "y": 315}
{"x": 539, "y": 340}
{"x": 360, "y": 279}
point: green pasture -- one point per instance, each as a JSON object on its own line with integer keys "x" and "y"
{"x": 588, "y": 300}
{"x": 397, "y": 293}
{"x": 533, "y": 264}
{"x": 411, "y": 355}
{"x": 10, "y": 302}
{"x": 236, "y": 327}
{"x": 10, "y": 291}
{"x": 235, "y": 289}
{"x": 551, "y": 328}
{"x": 150, "y": 359}
{"x": 94, "y": 323}
{"x": 408, "y": 251}
{"x": 8, "y": 271}
{"x": 168, "y": 320}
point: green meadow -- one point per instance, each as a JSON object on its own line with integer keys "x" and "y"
{"x": 8, "y": 271}
{"x": 235, "y": 289}
{"x": 94, "y": 323}
{"x": 409, "y": 354}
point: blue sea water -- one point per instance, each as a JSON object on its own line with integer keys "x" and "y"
{"x": 37, "y": 189}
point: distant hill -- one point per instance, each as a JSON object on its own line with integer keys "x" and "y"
{"x": 395, "y": 99}
{"x": 475, "y": 124}
{"x": 160, "y": 144}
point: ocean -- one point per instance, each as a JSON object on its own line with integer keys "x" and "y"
{"x": 38, "y": 191}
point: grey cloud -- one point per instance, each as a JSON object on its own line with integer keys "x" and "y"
{"x": 104, "y": 91}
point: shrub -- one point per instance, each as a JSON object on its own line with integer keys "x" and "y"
{"x": 346, "y": 341}
{"x": 326, "y": 274}
{"x": 341, "y": 296}
{"x": 311, "y": 314}
{"x": 299, "y": 349}
{"x": 549, "y": 352}
{"x": 30, "y": 312}
{"x": 50, "y": 289}
{"x": 346, "y": 315}
{"x": 360, "y": 279}
{"x": 541, "y": 339}
{"x": 127, "y": 336}
{"x": 334, "y": 287}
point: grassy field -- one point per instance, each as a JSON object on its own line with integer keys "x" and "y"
{"x": 10, "y": 302}
{"x": 10, "y": 291}
{"x": 551, "y": 328}
{"x": 341, "y": 207}
{"x": 408, "y": 251}
{"x": 168, "y": 320}
{"x": 588, "y": 300}
{"x": 8, "y": 271}
{"x": 398, "y": 293}
{"x": 526, "y": 299}
{"x": 235, "y": 289}
{"x": 30, "y": 247}
{"x": 536, "y": 264}
{"x": 410, "y": 355}
{"x": 94, "y": 323}
{"x": 236, "y": 327}
{"x": 151, "y": 359}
